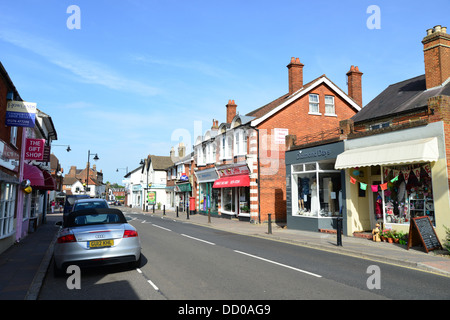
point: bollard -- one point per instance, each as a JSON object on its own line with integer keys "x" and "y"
{"x": 187, "y": 214}
{"x": 269, "y": 231}
{"x": 209, "y": 215}
{"x": 339, "y": 231}
{"x": 153, "y": 208}
{"x": 177, "y": 211}
{"x": 164, "y": 209}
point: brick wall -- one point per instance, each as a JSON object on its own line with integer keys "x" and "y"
{"x": 294, "y": 117}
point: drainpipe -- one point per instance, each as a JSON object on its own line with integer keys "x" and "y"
{"x": 259, "y": 180}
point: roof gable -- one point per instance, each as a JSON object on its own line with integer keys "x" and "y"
{"x": 277, "y": 105}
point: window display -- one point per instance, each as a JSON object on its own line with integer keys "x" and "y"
{"x": 409, "y": 193}
{"x": 316, "y": 188}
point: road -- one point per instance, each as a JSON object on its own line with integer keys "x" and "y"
{"x": 182, "y": 261}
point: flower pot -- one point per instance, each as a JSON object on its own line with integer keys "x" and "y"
{"x": 390, "y": 240}
{"x": 396, "y": 240}
{"x": 383, "y": 238}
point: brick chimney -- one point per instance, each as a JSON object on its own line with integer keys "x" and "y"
{"x": 295, "y": 75}
{"x": 354, "y": 84}
{"x": 231, "y": 110}
{"x": 215, "y": 124}
{"x": 436, "y": 50}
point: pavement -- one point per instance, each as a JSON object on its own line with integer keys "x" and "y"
{"x": 23, "y": 266}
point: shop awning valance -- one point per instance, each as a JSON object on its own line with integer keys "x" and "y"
{"x": 184, "y": 187}
{"x": 34, "y": 174}
{"x": 406, "y": 152}
{"x": 233, "y": 181}
{"x": 49, "y": 182}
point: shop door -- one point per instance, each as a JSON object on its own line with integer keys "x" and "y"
{"x": 376, "y": 205}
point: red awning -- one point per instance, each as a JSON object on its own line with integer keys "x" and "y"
{"x": 49, "y": 182}
{"x": 233, "y": 181}
{"x": 34, "y": 174}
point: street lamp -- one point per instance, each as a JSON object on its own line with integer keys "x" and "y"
{"x": 88, "y": 165}
{"x": 62, "y": 145}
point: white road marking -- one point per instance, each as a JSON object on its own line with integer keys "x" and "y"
{"x": 184, "y": 235}
{"x": 279, "y": 264}
{"x": 155, "y": 225}
{"x": 153, "y": 285}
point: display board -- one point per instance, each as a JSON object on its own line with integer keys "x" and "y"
{"x": 421, "y": 231}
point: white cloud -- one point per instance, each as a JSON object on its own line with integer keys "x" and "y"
{"x": 86, "y": 70}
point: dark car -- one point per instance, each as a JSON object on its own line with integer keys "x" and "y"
{"x": 70, "y": 200}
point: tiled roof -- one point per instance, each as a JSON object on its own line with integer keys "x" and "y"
{"x": 401, "y": 97}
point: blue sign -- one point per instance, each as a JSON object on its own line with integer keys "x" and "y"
{"x": 20, "y": 114}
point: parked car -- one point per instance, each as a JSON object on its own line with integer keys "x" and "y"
{"x": 94, "y": 237}
{"x": 70, "y": 200}
{"x": 81, "y": 203}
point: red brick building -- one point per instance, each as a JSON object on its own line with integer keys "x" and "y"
{"x": 242, "y": 162}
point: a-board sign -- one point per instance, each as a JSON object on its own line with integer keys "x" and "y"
{"x": 421, "y": 231}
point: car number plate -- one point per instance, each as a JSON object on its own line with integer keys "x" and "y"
{"x": 100, "y": 243}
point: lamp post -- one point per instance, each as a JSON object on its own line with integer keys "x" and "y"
{"x": 62, "y": 145}
{"x": 88, "y": 165}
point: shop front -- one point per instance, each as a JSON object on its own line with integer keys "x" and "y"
{"x": 183, "y": 191}
{"x": 314, "y": 188}
{"x": 393, "y": 182}
{"x": 207, "y": 196}
{"x": 234, "y": 186}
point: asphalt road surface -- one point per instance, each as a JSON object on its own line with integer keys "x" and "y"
{"x": 182, "y": 261}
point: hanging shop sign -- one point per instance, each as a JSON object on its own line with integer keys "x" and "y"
{"x": 34, "y": 149}
{"x": 227, "y": 171}
{"x": 9, "y": 158}
{"x": 20, "y": 114}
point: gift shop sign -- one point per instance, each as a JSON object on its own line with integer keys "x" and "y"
{"x": 20, "y": 114}
{"x": 34, "y": 149}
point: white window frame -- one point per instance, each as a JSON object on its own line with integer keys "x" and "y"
{"x": 13, "y": 137}
{"x": 312, "y": 104}
{"x": 330, "y": 108}
{"x": 7, "y": 209}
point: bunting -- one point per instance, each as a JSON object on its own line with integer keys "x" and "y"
{"x": 406, "y": 172}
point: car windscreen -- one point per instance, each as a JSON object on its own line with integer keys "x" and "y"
{"x": 89, "y": 205}
{"x": 95, "y": 217}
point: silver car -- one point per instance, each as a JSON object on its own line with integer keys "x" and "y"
{"x": 96, "y": 237}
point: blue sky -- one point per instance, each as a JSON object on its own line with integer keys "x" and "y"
{"x": 138, "y": 74}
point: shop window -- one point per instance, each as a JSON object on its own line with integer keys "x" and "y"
{"x": 228, "y": 199}
{"x": 409, "y": 193}
{"x": 7, "y": 206}
{"x": 316, "y": 191}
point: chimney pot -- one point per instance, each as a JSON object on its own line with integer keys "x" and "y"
{"x": 429, "y": 31}
{"x": 437, "y": 28}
